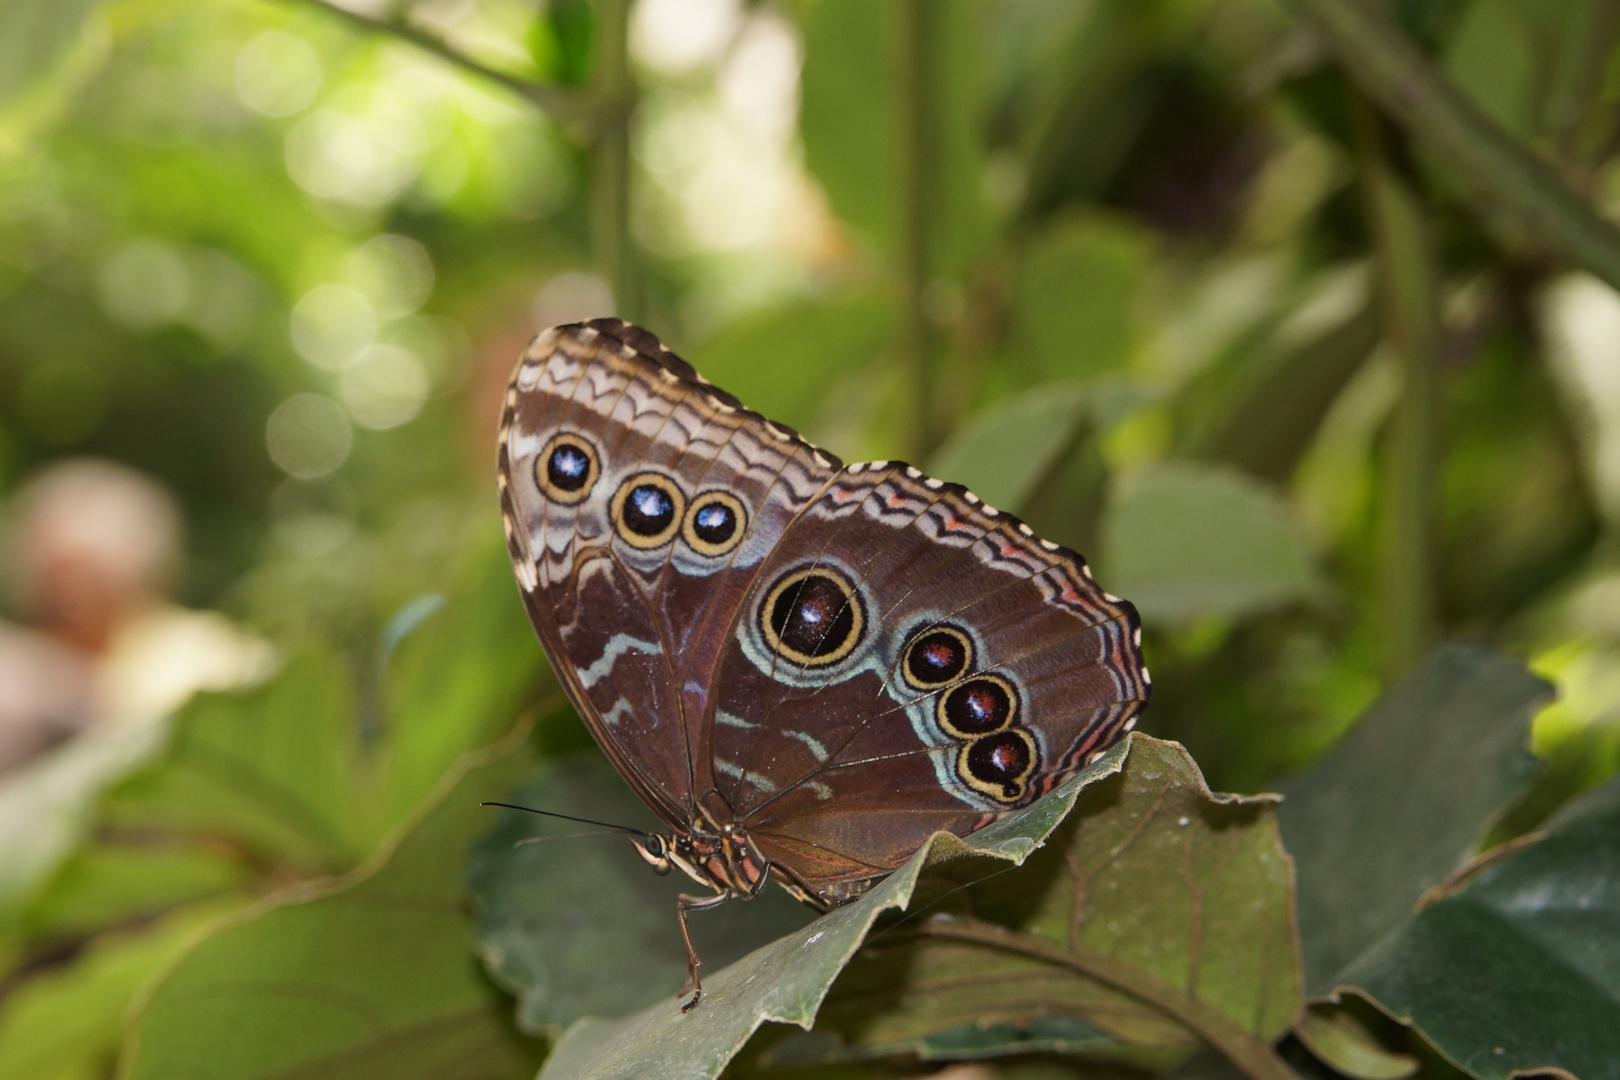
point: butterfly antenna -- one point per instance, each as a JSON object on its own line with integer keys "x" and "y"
{"x": 935, "y": 902}
{"x": 566, "y": 817}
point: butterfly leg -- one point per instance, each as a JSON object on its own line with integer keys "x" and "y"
{"x": 693, "y": 964}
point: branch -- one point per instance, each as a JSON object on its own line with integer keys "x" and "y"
{"x": 1501, "y": 171}
{"x": 1250, "y": 1054}
{"x": 560, "y": 104}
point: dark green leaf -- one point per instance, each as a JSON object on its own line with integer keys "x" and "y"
{"x": 1519, "y": 970}
{"x": 1397, "y": 806}
{"x": 372, "y": 976}
{"x": 579, "y": 924}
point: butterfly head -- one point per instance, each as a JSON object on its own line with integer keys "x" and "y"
{"x": 724, "y": 861}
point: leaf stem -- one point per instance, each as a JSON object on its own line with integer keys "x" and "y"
{"x": 1501, "y": 172}
{"x": 1250, "y": 1054}
{"x": 916, "y": 171}
{"x": 560, "y": 104}
{"x": 1408, "y": 293}
{"x": 615, "y": 93}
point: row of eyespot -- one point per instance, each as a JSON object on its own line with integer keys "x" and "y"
{"x": 649, "y": 508}
{"x": 997, "y": 758}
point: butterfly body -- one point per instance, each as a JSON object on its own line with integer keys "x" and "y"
{"x": 804, "y": 669}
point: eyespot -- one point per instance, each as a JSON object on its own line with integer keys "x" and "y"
{"x": 714, "y": 523}
{"x": 647, "y": 510}
{"x": 979, "y": 706}
{"x": 936, "y": 657}
{"x": 567, "y": 468}
{"x": 812, "y": 617}
{"x": 999, "y": 765}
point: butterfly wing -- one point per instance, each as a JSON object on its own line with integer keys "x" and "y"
{"x": 910, "y": 660}
{"x": 638, "y": 503}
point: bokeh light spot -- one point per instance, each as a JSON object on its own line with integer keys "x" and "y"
{"x": 308, "y": 436}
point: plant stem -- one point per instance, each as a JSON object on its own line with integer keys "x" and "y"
{"x": 1406, "y": 272}
{"x": 615, "y": 93}
{"x": 1502, "y": 174}
{"x": 917, "y": 344}
{"x": 1250, "y": 1054}
{"x": 559, "y": 104}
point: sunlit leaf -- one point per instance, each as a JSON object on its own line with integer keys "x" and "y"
{"x": 1519, "y": 970}
{"x": 1397, "y": 806}
{"x": 1184, "y": 540}
{"x": 1336, "y": 1036}
{"x": 371, "y": 976}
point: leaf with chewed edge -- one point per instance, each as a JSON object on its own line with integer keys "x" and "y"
{"x": 786, "y": 980}
{"x": 1118, "y": 803}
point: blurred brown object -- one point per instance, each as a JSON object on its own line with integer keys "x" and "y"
{"x": 96, "y": 545}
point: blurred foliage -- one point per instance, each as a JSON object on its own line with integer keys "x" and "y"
{"x": 1152, "y": 274}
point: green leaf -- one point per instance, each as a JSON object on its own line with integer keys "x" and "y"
{"x": 46, "y": 807}
{"x": 1336, "y": 1036}
{"x": 1077, "y": 295}
{"x": 268, "y": 768}
{"x": 786, "y": 980}
{"x": 579, "y": 924}
{"x": 780, "y": 361}
{"x": 1005, "y": 452}
{"x": 1183, "y": 540}
{"x": 454, "y": 683}
{"x": 68, "y": 1021}
{"x": 1156, "y": 913}
{"x": 370, "y": 976}
{"x": 104, "y": 884}
{"x": 1398, "y": 805}
{"x": 1519, "y": 969}
{"x": 1185, "y": 898}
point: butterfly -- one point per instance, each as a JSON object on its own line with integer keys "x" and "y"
{"x": 803, "y": 668}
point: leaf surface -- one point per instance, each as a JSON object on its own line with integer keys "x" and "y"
{"x": 372, "y": 976}
{"x": 1185, "y": 540}
{"x": 1519, "y": 970}
{"x": 1175, "y": 892}
{"x": 1152, "y": 906}
{"x": 1399, "y": 803}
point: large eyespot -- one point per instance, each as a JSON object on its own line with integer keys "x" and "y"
{"x": 714, "y": 523}
{"x": 999, "y": 765}
{"x": 647, "y": 510}
{"x": 979, "y": 706}
{"x": 936, "y": 657}
{"x": 567, "y": 469}
{"x": 812, "y": 617}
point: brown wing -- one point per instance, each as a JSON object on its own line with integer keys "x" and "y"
{"x": 619, "y": 471}
{"x": 909, "y": 660}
